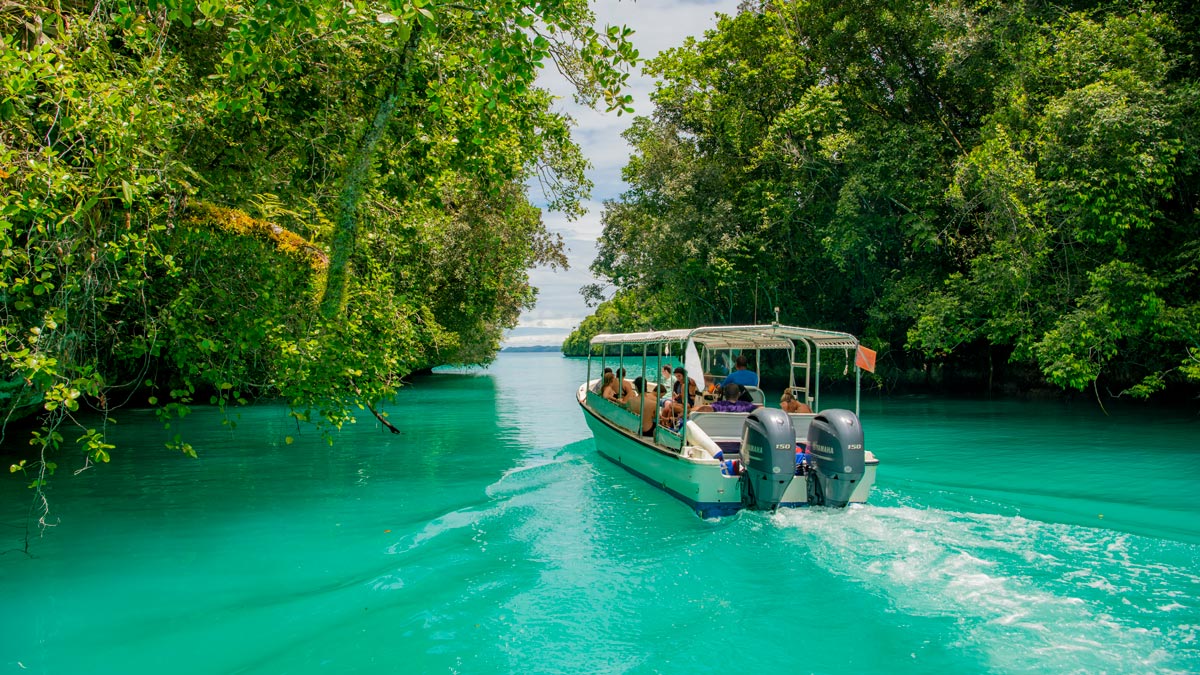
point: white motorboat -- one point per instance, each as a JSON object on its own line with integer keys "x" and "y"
{"x": 721, "y": 462}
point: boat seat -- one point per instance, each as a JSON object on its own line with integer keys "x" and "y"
{"x": 730, "y": 448}
{"x": 720, "y": 424}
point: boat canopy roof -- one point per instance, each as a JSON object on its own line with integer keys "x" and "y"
{"x": 772, "y": 336}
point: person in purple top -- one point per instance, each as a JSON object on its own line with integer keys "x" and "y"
{"x": 730, "y": 403}
{"x": 741, "y": 374}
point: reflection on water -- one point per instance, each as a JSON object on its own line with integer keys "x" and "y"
{"x": 489, "y": 537}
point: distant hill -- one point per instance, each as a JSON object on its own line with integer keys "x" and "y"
{"x": 534, "y": 348}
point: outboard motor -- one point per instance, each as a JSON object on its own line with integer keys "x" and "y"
{"x": 769, "y": 457}
{"x": 835, "y": 439}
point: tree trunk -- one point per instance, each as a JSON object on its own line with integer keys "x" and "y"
{"x": 345, "y": 228}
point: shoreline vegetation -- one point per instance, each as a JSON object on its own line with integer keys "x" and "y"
{"x": 999, "y": 199}
{"x": 533, "y": 348}
{"x": 220, "y": 202}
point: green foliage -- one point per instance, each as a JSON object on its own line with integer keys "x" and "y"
{"x": 627, "y": 312}
{"x": 138, "y": 138}
{"x": 948, "y": 180}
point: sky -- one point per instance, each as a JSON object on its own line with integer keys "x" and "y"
{"x": 657, "y": 25}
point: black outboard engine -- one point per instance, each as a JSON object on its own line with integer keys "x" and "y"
{"x": 769, "y": 457}
{"x": 835, "y": 439}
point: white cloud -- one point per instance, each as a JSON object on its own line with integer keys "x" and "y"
{"x": 657, "y": 25}
{"x": 587, "y": 227}
{"x": 530, "y": 336}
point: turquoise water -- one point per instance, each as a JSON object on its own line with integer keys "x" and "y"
{"x": 489, "y": 537}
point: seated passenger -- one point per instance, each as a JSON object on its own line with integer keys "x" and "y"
{"x": 644, "y": 403}
{"x": 677, "y": 385}
{"x": 672, "y": 411}
{"x": 664, "y": 383}
{"x": 694, "y": 398}
{"x": 741, "y": 375}
{"x": 789, "y": 404}
{"x": 610, "y": 390}
{"x": 732, "y": 392}
{"x": 722, "y": 365}
{"x": 625, "y": 385}
{"x": 599, "y": 386}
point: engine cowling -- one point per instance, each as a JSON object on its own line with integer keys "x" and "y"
{"x": 768, "y": 454}
{"x": 835, "y": 439}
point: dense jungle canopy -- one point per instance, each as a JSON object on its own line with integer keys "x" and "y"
{"x": 980, "y": 190}
{"x": 215, "y": 201}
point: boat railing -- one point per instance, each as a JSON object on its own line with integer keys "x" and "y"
{"x": 631, "y": 421}
{"x": 668, "y": 438}
{"x": 615, "y": 412}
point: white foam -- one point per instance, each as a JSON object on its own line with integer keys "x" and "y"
{"x": 1022, "y": 591}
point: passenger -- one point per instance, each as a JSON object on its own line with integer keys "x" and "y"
{"x": 694, "y": 397}
{"x": 741, "y": 374}
{"x": 677, "y": 386}
{"x": 666, "y": 416}
{"x": 644, "y": 403}
{"x": 710, "y": 388}
{"x": 730, "y": 403}
{"x": 789, "y": 404}
{"x": 672, "y": 410}
{"x": 599, "y": 386}
{"x": 722, "y": 365}
{"x": 610, "y": 390}
{"x": 665, "y": 381}
{"x": 626, "y": 385}
{"x": 667, "y": 399}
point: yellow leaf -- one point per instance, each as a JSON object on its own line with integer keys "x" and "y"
{"x": 288, "y": 440}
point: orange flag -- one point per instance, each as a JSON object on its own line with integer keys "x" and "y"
{"x": 865, "y": 358}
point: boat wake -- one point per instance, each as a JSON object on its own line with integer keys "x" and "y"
{"x": 536, "y": 469}
{"x": 517, "y": 488}
{"x": 1026, "y": 595}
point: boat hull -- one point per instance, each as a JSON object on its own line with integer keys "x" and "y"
{"x": 696, "y": 481}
